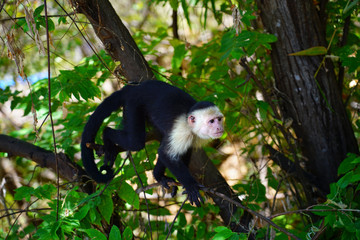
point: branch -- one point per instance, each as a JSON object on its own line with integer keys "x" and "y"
{"x": 225, "y": 198}
{"x": 262, "y": 217}
{"x": 309, "y": 209}
{"x": 174, "y": 26}
{"x": 116, "y": 39}
{"x": 208, "y": 175}
{"x": 44, "y": 158}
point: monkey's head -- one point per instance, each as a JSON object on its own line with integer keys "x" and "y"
{"x": 206, "y": 121}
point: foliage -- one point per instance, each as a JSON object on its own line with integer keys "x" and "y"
{"x": 340, "y": 213}
{"x": 208, "y": 70}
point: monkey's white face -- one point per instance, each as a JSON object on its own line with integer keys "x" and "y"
{"x": 207, "y": 123}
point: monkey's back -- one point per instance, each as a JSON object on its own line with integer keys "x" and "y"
{"x": 163, "y": 101}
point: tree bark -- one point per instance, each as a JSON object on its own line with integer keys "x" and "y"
{"x": 324, "y": 132}
{"x": 44, "y": 158}
{"x": 116, "y": 39}
{"x": 121, "y": 46}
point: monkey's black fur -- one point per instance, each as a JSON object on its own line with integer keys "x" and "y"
{"x": 158, "y": 103}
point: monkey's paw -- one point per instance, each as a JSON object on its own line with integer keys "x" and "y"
{"x": 164, "y": 181}
{"x": 194, "y": 194}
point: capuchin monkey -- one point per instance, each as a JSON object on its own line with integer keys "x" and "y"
{"x": 183, "y": 124}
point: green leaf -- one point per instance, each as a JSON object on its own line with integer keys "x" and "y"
{"x": 345, "y": 180}
{"x": 83, "y": 211}
{"x": 227, "y": 44}
{"x": 201, "y": 230}
{"x": 263, "y": 108}
{"x": 184, "y": 5}
{"x": 232, "y": 44}
{"x": 348, "y": 163}
{"x": 51, "y": 25}
{"x": 95, "y": 234}
{"x": 346, "y": 221}
{"x": 62, "y": 20}
{"x": 115, "y": 233}
{"x": 273, "y": 182}
{"x": 221, "y": 228}
{"x": 77, "y": 83}
{"x": 127, "y": 234}
{"x": 222, "y": 233}
{"x": 355, "y": 177}
{"x": 181, "y": 221}
{"x": 21, "y": 23}
{"x": 174, "y": 4}
{"x": 314, "y": 51}
{"x": 40, "y": 21}
{"x": 89, "y": 198}
{"x": 54, "y": 228}
{"x": 237, "y": 53}
{"x": 330, "y": 219}
{"x": 356, "y": 160}
{"x": 24, "y": 192}
{"x": 127, "y": 193}
{"x": 324, "y": 212}
{"x": 45, "y": 191}
{"x": 179, "y": 54}
{"x": 352, "y": 62}
{"x": 38, "y": 10}
{"x": 106, "y": 207}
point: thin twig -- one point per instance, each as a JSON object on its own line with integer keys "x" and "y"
{"x": 19, "y": 18}
{"x": 177, "y": 214}
{"x": 50, "y": 112}
{"x": 309, "y": 209}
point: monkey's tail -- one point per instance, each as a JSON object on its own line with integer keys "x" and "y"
{"x": 109, "y": 105}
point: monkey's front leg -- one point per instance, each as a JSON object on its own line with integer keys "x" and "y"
{"x": 159, "y": 175}
{"x": 182, "y": 174}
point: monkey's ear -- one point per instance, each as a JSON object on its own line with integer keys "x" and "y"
{"x": 191, "y": 120}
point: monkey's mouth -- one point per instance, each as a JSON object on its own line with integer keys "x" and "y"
{"x": 219, "y": 134}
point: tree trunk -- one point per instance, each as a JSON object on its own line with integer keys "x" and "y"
{"x": 324, "y": 132}
{"x": 116, "y": 39}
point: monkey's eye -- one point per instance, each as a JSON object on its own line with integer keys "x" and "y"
{"x": 219, "y": 119}
{"x": 212, "y": 121}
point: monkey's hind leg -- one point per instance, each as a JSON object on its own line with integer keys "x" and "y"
{"x": 130, "y": 138}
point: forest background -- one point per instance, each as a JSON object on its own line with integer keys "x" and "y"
{"x": 284, "y": 73}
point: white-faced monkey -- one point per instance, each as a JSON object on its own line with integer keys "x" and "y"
{"x": 182, "y": 122}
